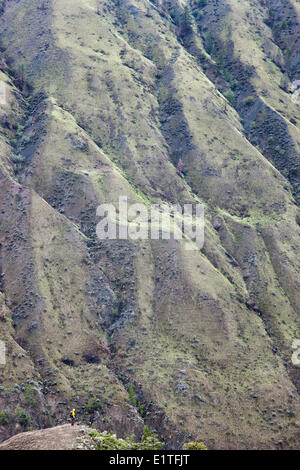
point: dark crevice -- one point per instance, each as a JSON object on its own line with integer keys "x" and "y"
{"x": 282, "y": 18}
{"x": 174, "y": 126}
{"x": 264, "y": 128}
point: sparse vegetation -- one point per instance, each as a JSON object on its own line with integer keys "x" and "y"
{"x": 164, "y": 102}
{"x": 22, "y": 417}
{"x": 4, "y": 418}
{"x": 109, "y": 441}
{"x": 249, "y": 100}
{"x": 29, "y": 395}
{"x": 141, "y": 410}
{"x": 229, "y": 95}
{"x": 194, "y": 446}
{"x": 186, "y": 22}
{"x": 92, "y": 405}
{"x": 131, "y": 395}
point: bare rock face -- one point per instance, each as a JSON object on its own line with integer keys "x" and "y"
{"x": 65, "y": 437}
{"x": 174, "y": 102}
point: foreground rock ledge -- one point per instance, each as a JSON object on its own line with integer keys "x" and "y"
{"x": 65, "y": 437}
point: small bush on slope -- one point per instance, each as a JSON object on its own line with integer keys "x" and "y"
{"x": 109, "y": 441}
{"x": 194, "y": 446}
{"x": 150, "y": 441}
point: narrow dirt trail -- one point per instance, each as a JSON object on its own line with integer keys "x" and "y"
{"x": 58, "y": 438}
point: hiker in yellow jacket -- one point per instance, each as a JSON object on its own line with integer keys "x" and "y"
{"x": 73, "y": 416}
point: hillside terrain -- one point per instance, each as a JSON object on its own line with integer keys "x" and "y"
{"x": 103, "y": 98}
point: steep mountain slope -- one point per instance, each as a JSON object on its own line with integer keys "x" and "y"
{"x": 103, "y": 98}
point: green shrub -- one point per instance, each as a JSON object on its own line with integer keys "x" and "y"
{"x": 18, "y": 159}
{"x": 186, "y": 21}
{"x": 29, "y": 395}
{"x": 194, "y": 446}
{"x": 131, "y": 395}
{"x": 229, "y": 95}
{"x": 150, "y": 441}
{"x": 3, "y": 418}
{"x": 109, "y": 441}
{"x": 92, "y": 405}
{"x": 21, "y": 417}
{"x": 248, "y": 100}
